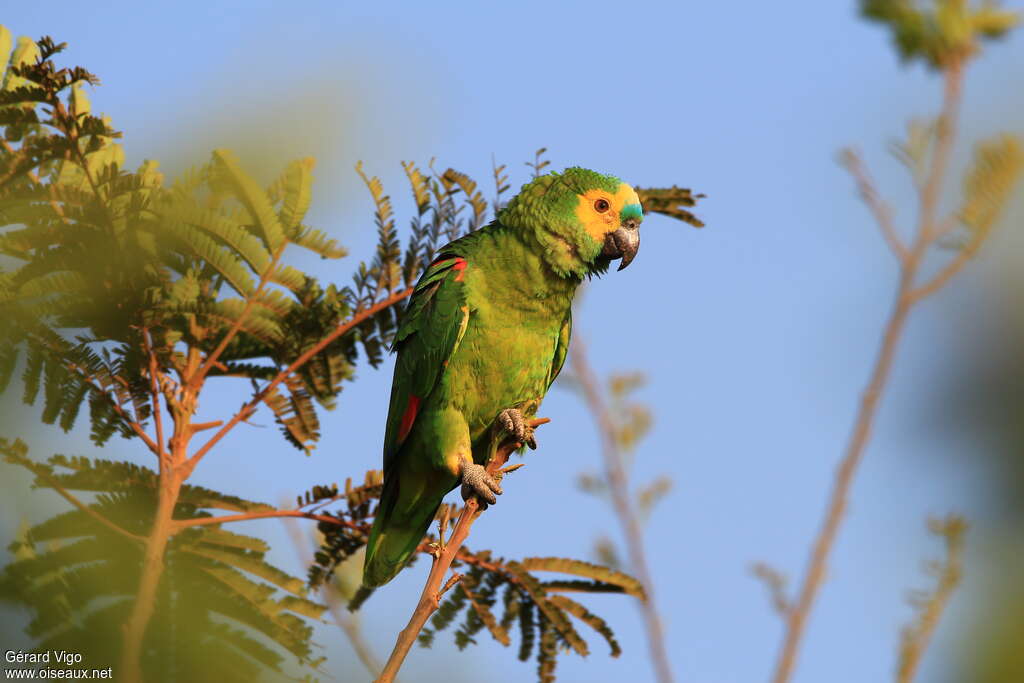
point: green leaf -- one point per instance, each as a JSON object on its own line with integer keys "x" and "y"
{"x": 318, "y": 242}
{"x": 551, "y": 612}
{"x": 298, "y": 184}
{"x": 670, "y": 201}
{"x": 295, "y": 414}
{"x": 499, "y": 632}
{"x": 420, "y": 187}
{"x": 252, "y": 197}
{"x": 306, "y": 608}
{"x": 590, "y": 619}
{"x": 990, "y": 182}
{"x": 5, "y": 47}
{"x": 8, "y": 360}
{"x": 252, "y": 565}
{"x": 26, "y": 52}
{"x": 586, "y": 570}
{"x": 474, "y": 197}
{"x": 228, "y": 229}
{"x": 209, "y": 252}
{"x": 289, "y": 277}
{"x": 207, "y": 498}
{"x": 214, "y": 535}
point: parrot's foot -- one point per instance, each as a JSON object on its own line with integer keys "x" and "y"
{"x": 512, "y": 420}
{"x": 477, "y": 482}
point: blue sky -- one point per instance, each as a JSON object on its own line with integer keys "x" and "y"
{"x": 756, "y": 333}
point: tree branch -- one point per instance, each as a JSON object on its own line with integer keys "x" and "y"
{"x": 147, "y": 342}
{"x": 246, "y": 410}
{"x": 618, "y": 486}
{"x": 950, "y": 269}
{"x": 879, "y": 208}
{"x": 905, "y": 300}
{"x": 200, "y": 374}
{"x": 179, "y": 524}
{"x": 443, "y": 557}
{"x": 71, "y": 498}
{"x": 333, "y": 595}
{"x": 133, "y": 423}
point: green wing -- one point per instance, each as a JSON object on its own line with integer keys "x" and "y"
{"x": 562, "y": 349}
{"x": 431, "y": 329}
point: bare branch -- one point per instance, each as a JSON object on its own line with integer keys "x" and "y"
{"x": 71, "y": 498}
{"x": 950, "y": 270}
{"x": 618, "y": 486}
{"x": 443, "y": 555}
{"x": 147, "y": 343}
{"x": 179, "y": 524}
{"x": 881, "y": 210}
{"x": 348, "y": 623}
{"x": 250, "y": 301}
{"x": 836, "y": 507}
{"x": 249, "y": 408}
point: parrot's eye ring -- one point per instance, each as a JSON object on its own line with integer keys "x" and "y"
{"x": 601, "y": 205}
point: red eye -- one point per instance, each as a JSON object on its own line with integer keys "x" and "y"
{"x": 601, "y": 205}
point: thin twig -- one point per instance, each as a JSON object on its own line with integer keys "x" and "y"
{"x": 348, "y": 623}
{"x": 443, "y": 556}
{"x": 881, "y": 210}
{"x": 71, "y": 498}
{"x": 949, "y": 270}
{"x": 250, "y": 407}
{"x": 179, "y": 524}
{"x": 147, "y": 343}
{"x": 354, "y": 634}
{"x": 618, "y": 486}
{"x": 905, "y": 300}
{"x": 250, "y": 302}
{"x": 775, "y": 583}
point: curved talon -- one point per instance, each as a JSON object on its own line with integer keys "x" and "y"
{"x": 512, "y": 420}
{"x": 477, "y": 482}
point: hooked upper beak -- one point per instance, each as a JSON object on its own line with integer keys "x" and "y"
{"x": 623, "y": 243}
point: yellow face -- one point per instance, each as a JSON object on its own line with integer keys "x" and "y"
{"x": 601, "y": 212}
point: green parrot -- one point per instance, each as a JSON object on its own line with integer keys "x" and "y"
{"x": 484, "y": 335}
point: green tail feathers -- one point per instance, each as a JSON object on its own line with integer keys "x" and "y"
{"x": 393, "y": 539}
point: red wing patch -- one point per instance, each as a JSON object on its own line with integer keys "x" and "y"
{"x": 458, "y": 266}
{"x": 409, "y": 417}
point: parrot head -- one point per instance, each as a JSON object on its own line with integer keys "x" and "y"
{"x": 581, "y": 220}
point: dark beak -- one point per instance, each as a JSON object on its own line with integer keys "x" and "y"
{"x": 623, "y": 243}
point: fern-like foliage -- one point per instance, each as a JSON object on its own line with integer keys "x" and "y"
{"x": 128, "y": 294}
{"x": 114, "y": 262}
{"x": 221, "y": 603}
{"x": 504, "y": 597}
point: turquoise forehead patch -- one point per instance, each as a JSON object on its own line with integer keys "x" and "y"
{"x": 632, "y": 211}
